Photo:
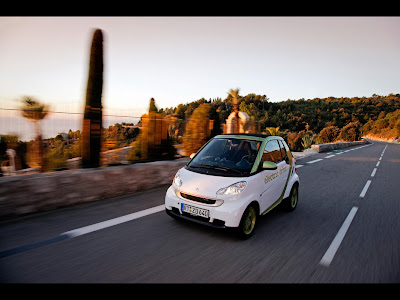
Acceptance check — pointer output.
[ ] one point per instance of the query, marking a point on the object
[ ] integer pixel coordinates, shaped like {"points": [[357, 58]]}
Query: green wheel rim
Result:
{"points": [[249, 220], [293, 200]]}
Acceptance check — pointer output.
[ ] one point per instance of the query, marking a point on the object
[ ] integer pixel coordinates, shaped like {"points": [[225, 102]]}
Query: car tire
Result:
{"points": [[290, 203], [247, 223]]}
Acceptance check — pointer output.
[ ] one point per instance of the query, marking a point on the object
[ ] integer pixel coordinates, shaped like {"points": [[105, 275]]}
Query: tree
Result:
{"points": [[153, 106], [197, 130], [92, 119], [35, 111], [397, 127], [350, 132], [295, 140], [328, 134], [180, 111]]}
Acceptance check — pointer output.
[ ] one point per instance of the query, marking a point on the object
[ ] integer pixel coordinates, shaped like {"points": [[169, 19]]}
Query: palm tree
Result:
{"points": [[235, 100], [35, 111], [273, 131]]}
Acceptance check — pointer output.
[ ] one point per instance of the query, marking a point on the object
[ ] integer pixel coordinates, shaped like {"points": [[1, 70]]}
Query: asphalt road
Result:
{"points": [[346, 229]]}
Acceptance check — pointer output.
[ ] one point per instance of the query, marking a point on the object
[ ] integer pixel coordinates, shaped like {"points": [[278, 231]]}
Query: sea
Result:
{"points": [[11, 122]]}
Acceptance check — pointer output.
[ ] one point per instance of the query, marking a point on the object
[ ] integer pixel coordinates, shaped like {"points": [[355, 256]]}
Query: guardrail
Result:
{"points": [[335, 146], [21, 195]]}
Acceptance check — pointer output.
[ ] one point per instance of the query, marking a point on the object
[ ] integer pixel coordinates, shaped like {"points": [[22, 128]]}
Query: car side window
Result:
{"points": [[272, 152]]}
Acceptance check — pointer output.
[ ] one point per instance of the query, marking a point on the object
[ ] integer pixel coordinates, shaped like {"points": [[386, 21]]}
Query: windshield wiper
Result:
{"points": [[205, 166], [208, 166]]}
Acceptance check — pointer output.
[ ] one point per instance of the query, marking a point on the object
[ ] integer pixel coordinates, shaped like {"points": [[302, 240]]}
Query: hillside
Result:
{"points": [[374, 116]]}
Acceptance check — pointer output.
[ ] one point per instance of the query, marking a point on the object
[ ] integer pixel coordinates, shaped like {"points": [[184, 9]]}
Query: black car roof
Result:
{"points": [[260, 135]]}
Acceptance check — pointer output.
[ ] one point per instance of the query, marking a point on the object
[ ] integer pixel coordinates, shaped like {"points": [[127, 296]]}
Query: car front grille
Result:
{"points": [[198, 199]]}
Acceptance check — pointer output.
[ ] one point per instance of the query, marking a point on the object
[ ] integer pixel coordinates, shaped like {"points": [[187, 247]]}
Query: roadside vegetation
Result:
{"points": [[300, 122], [313, 121]]}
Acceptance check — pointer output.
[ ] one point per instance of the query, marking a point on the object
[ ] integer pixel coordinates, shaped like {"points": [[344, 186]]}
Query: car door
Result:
{"points": [[272, 182], [285, 166]]}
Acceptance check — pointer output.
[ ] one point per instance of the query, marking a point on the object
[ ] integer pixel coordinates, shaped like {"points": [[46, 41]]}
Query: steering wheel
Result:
{"points": [[247, 158]]}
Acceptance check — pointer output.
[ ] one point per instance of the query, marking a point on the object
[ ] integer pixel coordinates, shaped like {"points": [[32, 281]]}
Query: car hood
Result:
{"points": [[203, 185]]}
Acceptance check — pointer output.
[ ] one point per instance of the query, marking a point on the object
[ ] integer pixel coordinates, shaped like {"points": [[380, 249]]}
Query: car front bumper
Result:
{"points": [[226, 215]]}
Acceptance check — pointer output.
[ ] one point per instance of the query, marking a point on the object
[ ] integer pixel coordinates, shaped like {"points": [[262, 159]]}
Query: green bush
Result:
{"points": [[328, 134], [350, 132], [294, 140]]}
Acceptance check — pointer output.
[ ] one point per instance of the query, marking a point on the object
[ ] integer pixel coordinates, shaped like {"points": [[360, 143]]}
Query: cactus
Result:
{"points": [[307, 140], [92, 119]]}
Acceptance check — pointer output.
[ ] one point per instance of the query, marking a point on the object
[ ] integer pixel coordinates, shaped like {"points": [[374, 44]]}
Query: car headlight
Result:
{"points": [[177, 180], [235, 188]]}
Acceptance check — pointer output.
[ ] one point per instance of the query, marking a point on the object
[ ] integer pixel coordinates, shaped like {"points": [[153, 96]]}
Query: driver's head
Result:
{"points": [[247, 147]]}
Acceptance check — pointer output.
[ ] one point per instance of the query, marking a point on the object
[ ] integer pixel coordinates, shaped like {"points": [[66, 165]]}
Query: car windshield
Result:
{"points": [[230, 157]]}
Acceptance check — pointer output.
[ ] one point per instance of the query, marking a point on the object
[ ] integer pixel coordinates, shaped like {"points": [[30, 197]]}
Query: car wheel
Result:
{"points": [[290, 203], [247, 223]]}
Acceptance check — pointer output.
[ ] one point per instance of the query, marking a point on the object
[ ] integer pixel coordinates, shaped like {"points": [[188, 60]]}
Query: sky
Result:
{"points": [[182, 59]]}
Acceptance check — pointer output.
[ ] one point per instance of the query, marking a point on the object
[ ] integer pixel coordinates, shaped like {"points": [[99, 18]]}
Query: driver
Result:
{"points": [[245, 152]]}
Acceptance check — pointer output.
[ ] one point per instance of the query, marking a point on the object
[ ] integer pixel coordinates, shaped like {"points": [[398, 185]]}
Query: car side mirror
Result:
{"points": [[269, 165], [192, 155]]}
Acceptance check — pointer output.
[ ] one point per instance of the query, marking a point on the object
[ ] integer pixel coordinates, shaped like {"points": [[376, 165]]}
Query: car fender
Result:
{"points": [[292, 180]]}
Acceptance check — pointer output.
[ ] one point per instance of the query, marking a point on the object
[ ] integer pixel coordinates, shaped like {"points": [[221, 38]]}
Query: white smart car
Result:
{"points": [[232, 180]]}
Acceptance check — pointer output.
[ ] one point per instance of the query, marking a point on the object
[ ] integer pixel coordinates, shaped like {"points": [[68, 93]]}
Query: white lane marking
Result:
{"points": [[329, 156], [365, 189], [377, 164], [339, 153], [299, 166], [112, 222], [314, 161], [373, 172], [380, 158], [346, 150], [330, 253]]}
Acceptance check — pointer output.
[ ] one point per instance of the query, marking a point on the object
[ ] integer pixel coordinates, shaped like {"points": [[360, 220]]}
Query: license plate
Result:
{"points": [[195, 210]]}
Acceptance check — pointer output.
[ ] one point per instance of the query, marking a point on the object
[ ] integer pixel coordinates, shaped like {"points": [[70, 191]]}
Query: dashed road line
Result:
{"points": [[115, 221], [365, 189], [314, 161], [337, 152], [84, 230], [330, 253]]}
